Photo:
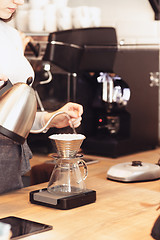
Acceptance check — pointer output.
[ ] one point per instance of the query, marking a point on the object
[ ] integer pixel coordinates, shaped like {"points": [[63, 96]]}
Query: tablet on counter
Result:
{"points": [[22, 228]]}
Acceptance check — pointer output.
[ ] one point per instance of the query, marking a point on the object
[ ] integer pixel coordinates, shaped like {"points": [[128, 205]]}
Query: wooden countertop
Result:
{"points": [[122, 211]]}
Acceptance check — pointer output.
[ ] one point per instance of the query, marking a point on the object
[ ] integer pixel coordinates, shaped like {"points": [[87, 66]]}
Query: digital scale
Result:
{"points": [[43, 197]]}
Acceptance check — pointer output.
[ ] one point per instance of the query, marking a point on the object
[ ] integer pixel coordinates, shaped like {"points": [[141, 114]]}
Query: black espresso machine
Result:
{"points": [[112, 83]]}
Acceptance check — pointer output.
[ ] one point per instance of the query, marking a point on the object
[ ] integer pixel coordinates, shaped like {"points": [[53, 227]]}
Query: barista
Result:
{"points": [[14, 158]]}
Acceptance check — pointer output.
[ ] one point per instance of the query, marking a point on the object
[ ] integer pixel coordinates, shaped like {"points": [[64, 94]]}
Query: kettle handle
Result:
{"points": [[29, 82], [4, 84]]}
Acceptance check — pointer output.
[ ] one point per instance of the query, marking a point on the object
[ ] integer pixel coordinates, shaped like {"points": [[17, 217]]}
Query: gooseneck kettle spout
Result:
{"points": [[53, 116]]}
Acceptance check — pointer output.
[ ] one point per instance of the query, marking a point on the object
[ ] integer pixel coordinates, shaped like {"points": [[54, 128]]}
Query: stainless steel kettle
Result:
{"points": [[18, 107]]}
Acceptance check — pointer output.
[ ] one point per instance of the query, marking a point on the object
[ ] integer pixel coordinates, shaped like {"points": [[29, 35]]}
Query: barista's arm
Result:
{"points": [[74, 110]]}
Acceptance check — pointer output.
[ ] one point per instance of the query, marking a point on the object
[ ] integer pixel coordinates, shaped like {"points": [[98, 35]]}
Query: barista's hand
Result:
{"points": [[75, 112], [3, 79]]}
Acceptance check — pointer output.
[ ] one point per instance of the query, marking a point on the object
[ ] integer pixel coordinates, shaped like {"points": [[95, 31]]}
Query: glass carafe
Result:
{"points": [[67, 177]]}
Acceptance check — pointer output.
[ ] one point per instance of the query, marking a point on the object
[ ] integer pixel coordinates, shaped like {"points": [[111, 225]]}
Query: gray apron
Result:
{"points": [[14, 162]]}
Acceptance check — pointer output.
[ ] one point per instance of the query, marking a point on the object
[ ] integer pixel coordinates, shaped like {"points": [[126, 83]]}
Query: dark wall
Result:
{"points": [[134, 66]]}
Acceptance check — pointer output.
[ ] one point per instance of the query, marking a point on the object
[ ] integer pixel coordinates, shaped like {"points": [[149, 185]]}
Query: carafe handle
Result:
{"points": [[84, 167]]}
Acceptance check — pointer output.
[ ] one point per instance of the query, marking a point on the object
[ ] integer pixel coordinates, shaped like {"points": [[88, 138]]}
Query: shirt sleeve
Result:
{"points": [[39, 121]]}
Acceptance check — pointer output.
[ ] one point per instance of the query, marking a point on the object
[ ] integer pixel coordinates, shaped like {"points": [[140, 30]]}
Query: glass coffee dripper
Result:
{"points": [[67, 178]]}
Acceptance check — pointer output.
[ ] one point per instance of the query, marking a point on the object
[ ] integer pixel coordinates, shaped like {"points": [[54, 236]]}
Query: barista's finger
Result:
{"points": [[75, 109], [3, 78], [76, 122]]}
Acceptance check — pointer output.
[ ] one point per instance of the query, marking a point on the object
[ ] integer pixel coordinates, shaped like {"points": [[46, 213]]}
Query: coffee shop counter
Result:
{"points": [[123, 211]]}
